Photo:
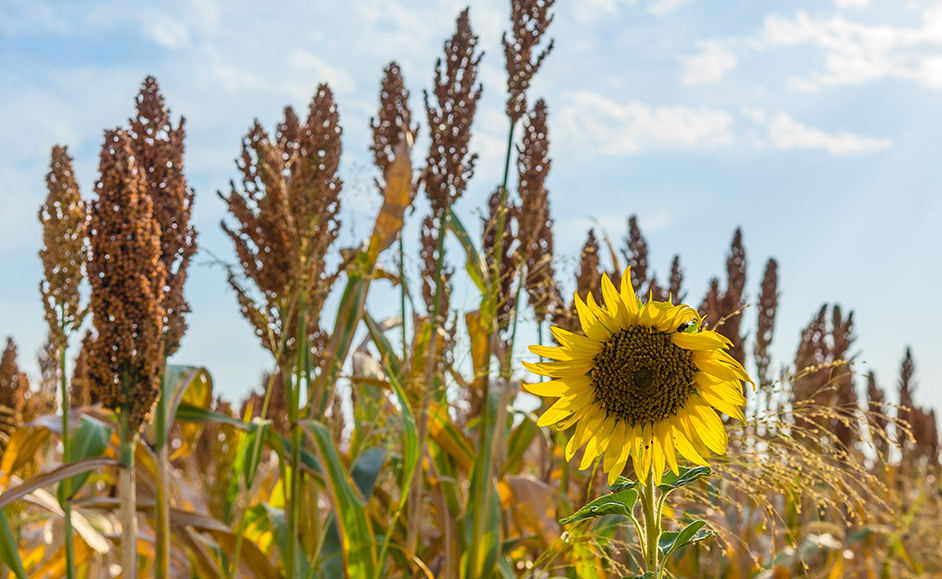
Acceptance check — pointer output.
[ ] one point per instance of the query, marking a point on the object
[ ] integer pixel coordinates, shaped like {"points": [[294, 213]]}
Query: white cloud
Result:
{"points": [[851, 3], [786, 133], [712, 63], [665, 7], [615, 128], [855, 53], [340, 80], [164, 30], [852, 52]]}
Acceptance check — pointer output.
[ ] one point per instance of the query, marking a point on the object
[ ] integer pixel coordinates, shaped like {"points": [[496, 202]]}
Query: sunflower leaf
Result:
{"points": [[618, 503], [622, 484], [670, 541], [671, 482]]}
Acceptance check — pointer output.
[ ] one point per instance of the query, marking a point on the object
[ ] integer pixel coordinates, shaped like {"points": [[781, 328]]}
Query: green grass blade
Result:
{"points": [[474, 264], [482, 519], [9, 551], [89, 439], [356, 533]]}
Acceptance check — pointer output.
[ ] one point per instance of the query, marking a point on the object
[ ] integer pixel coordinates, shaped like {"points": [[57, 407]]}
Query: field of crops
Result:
{"points": [[409, 446]]}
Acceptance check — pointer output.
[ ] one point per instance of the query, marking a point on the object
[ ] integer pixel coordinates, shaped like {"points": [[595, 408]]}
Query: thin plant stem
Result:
{"points": [[162, 532], [402, 293], [294, 503], [128, 494], [66, 458]]}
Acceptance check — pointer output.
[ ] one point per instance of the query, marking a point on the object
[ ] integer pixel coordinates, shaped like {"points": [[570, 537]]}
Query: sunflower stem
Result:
{"points": [[652, 524]]}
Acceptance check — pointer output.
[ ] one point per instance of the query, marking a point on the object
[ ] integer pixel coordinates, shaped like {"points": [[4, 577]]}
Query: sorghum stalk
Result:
{"points": [[128, 494], [294, 410], [66, 458]]}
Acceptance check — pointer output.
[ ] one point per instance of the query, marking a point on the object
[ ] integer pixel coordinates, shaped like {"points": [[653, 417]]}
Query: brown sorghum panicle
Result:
{"points": [[80, 391], [127, 279], [906, 386], [504, 266], [534, 222], [286, 212], [65, 250], [876, 403], [719, 305], [429, 254], [676, 282], [394, 117], [635, 253], [588, 279], [768, 304], [530, 19], [449, 165], [13, 387], [158, 150], [845, 395]]}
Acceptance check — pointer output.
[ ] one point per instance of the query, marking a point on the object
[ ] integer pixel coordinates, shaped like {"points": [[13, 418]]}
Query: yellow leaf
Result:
{"points": [[23, 445], [396, 198]]}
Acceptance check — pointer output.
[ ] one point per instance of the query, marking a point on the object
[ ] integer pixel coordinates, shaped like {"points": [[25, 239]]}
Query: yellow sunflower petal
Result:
{"points": [[561, 369], [559, 387], [730, 388], [590, 323], [576, 416], [707, 425], [578, 438], [682, 443], [700, 341], [614, 303], [646, 452], [615, 445], [628, 296], [624, 452], [552, 352], [721, 404], [658, 454], [667, 444], [598, 442], [603, 315], [684, 420], [553, 415], [576, 342]]}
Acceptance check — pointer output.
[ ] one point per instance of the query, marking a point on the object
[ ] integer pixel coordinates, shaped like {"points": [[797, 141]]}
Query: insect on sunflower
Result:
{"points": [[644, 381]]}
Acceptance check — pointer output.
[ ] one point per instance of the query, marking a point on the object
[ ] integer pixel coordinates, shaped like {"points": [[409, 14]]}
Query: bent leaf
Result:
{"points": [[620, 503], [670, 541], [52, 477], [22, 447], [89, 439], [671, 482]]}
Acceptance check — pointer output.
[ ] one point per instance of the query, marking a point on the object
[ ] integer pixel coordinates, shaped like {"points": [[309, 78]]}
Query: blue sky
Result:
{"points": [[813, 125]]}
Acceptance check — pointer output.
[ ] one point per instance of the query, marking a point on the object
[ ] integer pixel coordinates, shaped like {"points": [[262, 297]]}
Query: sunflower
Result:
{"points": [[644, 381]]}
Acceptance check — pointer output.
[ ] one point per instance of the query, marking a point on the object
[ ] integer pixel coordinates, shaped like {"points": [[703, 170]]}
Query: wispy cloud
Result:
{"points": [[714, 60], [852, 52], [626, 128], [785, 133]]}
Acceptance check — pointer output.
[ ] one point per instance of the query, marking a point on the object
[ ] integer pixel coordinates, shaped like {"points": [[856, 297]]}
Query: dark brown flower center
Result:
{"points": [[641, 376]]}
